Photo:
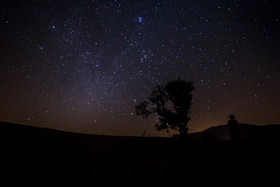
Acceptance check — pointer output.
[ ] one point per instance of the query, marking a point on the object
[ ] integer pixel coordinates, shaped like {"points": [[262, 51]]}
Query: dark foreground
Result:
{"points": [[42, 157]]}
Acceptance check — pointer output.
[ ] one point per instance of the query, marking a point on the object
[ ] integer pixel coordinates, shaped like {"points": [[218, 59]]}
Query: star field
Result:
{"points": [[83, 65]]}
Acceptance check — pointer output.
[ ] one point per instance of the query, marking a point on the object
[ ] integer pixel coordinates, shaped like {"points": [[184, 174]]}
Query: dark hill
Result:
{"points": [[247, 133], [45, 157]]}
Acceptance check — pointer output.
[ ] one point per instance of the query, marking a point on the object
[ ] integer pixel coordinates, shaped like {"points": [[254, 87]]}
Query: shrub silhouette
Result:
{"points": [[171, 104]]}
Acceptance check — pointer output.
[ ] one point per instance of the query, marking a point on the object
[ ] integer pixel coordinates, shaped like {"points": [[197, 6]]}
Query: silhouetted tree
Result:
{"points": [[171, 104]]}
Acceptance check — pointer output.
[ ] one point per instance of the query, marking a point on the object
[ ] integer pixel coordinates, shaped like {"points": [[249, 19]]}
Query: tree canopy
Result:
{"points": [[171, 105]]}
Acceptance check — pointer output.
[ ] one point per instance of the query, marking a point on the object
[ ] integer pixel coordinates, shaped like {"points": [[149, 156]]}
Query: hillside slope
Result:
{"points": [[246, 131], [36, 156]]}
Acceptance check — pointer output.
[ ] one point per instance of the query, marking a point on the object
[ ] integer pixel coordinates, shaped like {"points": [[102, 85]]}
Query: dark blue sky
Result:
{"points": [[83, 65]]}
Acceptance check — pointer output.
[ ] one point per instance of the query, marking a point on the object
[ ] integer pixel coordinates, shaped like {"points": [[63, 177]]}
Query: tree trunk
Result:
{"points": [[183, 131]]}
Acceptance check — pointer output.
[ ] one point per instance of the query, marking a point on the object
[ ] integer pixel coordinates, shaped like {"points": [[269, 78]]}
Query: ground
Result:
{"points": [[43, 157]]}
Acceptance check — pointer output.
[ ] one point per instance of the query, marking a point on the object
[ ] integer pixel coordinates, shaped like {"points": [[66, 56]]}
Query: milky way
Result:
{"points": [[83, 65]]}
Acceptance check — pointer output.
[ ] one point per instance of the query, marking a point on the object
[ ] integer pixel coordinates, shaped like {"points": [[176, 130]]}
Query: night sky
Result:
{"points": [[82, 66]]}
